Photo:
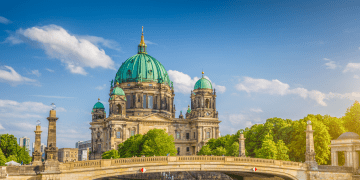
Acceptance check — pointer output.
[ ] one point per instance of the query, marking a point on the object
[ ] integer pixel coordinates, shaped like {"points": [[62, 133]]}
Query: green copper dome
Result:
{"points": [[203, 83], [98, 105], [142, 68], [118, 91]]}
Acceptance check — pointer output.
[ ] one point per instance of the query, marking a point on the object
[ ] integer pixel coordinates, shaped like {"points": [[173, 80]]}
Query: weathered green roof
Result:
{"points": [[98, 105], [142, 68], [118, 91], [203, 83]]}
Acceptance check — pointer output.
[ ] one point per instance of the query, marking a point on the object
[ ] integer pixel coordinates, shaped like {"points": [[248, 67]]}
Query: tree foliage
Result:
{"points": [[351, 119], [219, 151], [205, 150], [114, 154], [155, 142], [226, 145], [23, 155], [2, 159], [268, 149], [282, 151], [8, 145]]}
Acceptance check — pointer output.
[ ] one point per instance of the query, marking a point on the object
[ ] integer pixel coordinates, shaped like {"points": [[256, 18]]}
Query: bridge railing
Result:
{"points": [[139, 160], [165, 159]]}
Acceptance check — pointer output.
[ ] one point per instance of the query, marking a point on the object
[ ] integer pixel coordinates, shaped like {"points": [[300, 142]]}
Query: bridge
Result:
{"points": [[97, 169]]}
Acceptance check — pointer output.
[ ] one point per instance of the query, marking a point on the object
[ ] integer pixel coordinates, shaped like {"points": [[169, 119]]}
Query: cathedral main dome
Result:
{"points": [[142, 68]]}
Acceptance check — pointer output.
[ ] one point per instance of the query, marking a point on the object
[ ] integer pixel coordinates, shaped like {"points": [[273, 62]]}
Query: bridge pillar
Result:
{"points": [[242, 145], [36, 155], [310, 150], [51, 164]]}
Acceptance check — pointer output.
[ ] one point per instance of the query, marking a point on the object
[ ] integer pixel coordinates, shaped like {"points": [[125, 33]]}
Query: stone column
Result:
{"points": [[36, 155], [355, 159], [217, 133], [203, 133], [124, 132], [51, 164], [242, 146], [334, 158], [213, 132], [199, 134], [310, 150]]}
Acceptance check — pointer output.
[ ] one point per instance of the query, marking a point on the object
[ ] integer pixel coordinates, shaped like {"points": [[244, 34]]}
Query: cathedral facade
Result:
{"points": [[141, 98]]}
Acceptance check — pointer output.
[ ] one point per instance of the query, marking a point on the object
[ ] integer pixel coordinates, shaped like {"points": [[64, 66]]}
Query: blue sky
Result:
{"points": [[266, 59]]}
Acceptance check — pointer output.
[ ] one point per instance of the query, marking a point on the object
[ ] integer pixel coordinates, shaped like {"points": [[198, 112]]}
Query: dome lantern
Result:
{"points": [[142, 46]]}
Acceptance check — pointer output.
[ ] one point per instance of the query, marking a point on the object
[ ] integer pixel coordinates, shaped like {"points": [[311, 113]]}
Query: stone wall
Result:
{"points": [[319, 175]]}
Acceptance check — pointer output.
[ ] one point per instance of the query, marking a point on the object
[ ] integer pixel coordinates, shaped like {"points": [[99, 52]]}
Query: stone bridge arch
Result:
{"points": [[95, 169]]}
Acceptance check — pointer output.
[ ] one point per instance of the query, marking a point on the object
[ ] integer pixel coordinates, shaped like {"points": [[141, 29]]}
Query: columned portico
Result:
{"points": [[349, 143]]}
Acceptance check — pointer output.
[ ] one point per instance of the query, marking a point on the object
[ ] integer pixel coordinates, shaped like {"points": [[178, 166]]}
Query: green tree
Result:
{"points": [[268, 149], [159, 143], [11, 158], [23, 155], [205, 150], [8, 145], [114, 154], [352, 118], [131, 147], [2, 159], [282, 151], [155, 142], [254, 138], [233, 150], [219, 151]]}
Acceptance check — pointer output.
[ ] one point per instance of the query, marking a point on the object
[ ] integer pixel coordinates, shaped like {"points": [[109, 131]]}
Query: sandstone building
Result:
{"points": [[68, 155], [141, 98]]}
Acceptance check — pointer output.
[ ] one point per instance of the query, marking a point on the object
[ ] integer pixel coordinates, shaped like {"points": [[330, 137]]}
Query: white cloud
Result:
{"points": [[13, 39], [50, 70], [1, 127], [3, 20], [73, 51], [13, 77], [7, 106], [111, 44], [101, 87], [183, 83], [275, 87], [57, 97], [352, 67], [149, 42], [262, 85], [356, 77], [257, 110], [36, 73], [330, 64]]}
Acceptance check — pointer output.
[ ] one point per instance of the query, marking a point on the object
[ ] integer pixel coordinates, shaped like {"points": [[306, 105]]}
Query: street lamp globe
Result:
{"points": [[53, 107]]}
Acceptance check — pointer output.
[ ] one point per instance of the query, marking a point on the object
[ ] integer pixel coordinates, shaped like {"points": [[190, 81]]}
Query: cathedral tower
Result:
{"points": [[98, 111], [203, 100], [117, 102]]}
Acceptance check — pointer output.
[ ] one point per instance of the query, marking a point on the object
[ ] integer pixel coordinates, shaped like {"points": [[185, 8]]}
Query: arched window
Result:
{"points": [[118, 134], [178, 151], [207, 103], [119, 108], [207, 135]]}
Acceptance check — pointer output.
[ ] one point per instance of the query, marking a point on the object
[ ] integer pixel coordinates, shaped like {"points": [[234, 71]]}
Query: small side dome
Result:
{"points": [[348, 135], [203, 83], [98, 105], [118, 91]]}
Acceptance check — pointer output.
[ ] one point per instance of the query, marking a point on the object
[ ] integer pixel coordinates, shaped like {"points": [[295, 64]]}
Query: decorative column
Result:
{"points": [[124, 132], [334, 158], [310, 150], [51, 164], [36, 155], [242, 145]]}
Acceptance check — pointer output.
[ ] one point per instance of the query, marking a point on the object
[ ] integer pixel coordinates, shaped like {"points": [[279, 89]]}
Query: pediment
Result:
{"points": [[155, 117]]}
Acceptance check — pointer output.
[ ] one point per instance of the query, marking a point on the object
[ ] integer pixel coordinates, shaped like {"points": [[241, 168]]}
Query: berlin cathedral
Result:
{"points": [[141, 98]]}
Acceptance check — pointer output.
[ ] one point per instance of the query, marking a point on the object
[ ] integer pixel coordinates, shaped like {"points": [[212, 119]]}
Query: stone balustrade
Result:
{"points": [[166, 159]]}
